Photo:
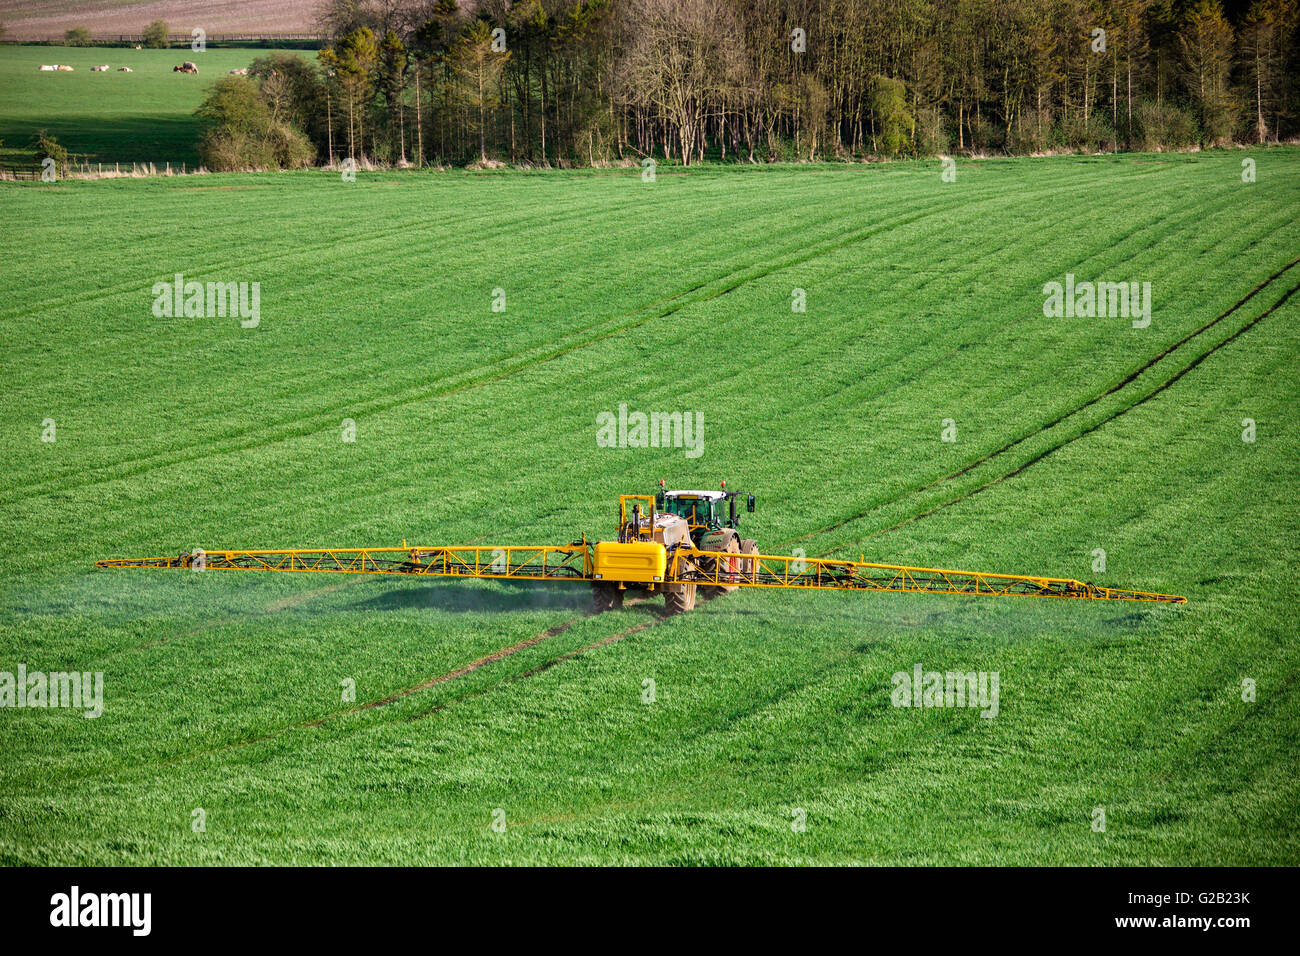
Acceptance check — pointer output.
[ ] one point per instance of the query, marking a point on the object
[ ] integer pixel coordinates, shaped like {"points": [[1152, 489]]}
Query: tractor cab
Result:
{"points": [[701, 509], [704, 511]]}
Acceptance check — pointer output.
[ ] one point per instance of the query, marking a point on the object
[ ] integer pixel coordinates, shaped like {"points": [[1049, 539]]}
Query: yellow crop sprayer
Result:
{"points": [[678, 543]]}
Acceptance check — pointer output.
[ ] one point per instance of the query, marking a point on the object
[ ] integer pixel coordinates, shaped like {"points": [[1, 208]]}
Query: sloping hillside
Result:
{"points": [[327, 718], [27, 19]]}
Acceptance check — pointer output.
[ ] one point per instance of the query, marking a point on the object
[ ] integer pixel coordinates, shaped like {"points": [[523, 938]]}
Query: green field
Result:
{"points": [[924, 303], [145, 116]]}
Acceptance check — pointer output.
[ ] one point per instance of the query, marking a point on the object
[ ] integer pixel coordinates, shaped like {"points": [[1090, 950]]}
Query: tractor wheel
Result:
{"points": [[748, 565], [679, 597], [728, 565], [605, 597]]}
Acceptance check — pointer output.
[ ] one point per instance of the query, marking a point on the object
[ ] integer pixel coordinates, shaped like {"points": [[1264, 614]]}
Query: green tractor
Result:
{"points": [[678, 523], [713, 525], [710, 515]]}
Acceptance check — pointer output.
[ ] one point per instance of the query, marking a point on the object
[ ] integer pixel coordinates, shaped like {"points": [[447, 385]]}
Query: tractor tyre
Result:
{"points": [[605, 597], [679, 598], [748, 566], [728, 565]]}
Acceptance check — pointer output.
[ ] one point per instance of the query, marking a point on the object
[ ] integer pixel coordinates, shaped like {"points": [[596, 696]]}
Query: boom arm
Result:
{"points": [[686, 565], [782, 571], [571, 562]]}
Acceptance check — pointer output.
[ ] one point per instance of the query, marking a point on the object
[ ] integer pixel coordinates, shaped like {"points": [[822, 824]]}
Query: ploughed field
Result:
{"points": [[770, 732]]}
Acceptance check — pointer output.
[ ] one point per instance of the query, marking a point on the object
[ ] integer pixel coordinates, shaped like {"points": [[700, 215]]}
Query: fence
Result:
{"points": [[77, 169], [20, 171]]}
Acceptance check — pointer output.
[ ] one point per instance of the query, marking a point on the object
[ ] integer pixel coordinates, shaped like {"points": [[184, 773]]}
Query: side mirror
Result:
{"points": [[749, 504], [659, 501]]}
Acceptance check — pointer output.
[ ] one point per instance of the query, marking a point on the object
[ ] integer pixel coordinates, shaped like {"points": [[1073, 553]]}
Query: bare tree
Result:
{"points": [[678, 61]]}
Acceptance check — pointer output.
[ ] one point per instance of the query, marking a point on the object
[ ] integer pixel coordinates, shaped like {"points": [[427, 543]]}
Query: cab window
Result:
{"points": [[696, 511]]}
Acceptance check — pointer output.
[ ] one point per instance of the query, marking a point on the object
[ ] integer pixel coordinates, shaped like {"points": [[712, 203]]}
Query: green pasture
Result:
{"points": [[145, 116], [224, 691]]}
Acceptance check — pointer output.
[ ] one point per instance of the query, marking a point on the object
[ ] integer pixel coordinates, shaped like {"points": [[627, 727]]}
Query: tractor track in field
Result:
{"points": [[540, 668], [394, 697], [451, 675], [503, 367], [953, 351], [348, 238], [281, 604], [734, 278], [1132, 375], [574, 212], [1159, 389], [317, 722], [494, 371], [1064, 416], [911, 374], [502, 653]]}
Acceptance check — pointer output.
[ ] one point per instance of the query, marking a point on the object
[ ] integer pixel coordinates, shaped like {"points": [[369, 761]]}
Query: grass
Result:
{"points": [[924, 304], [145, 116]]}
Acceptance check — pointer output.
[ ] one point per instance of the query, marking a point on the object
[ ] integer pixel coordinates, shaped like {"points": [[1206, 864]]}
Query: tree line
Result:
{"points": [[581, 82]]}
